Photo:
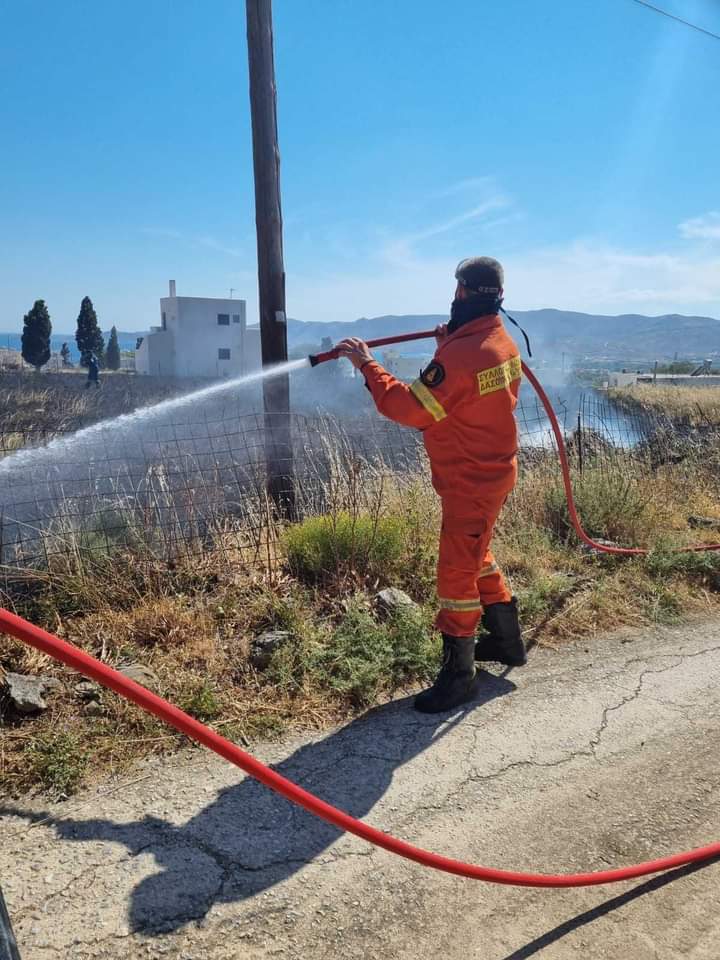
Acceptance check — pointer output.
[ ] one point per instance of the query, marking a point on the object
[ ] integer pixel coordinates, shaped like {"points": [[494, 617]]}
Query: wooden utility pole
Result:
{"points": [[271, 270]]}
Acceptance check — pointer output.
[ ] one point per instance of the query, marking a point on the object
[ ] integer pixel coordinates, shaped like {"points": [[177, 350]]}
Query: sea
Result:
{"points": [[13, 341]]}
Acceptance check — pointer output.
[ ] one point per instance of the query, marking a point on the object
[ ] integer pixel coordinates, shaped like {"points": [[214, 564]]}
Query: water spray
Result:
{"points": [[28, 457]]}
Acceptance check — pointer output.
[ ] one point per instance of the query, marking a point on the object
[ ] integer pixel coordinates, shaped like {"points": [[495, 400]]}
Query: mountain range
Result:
{"points": [[551, 333]]}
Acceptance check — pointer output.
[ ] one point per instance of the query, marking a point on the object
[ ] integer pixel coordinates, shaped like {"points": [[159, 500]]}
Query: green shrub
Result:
{"points": [[358, 656], [58, 762], [662, 605], [703, 568], [610, 506], [202, 703], [325, 549], [542, 595], [363, 656]]}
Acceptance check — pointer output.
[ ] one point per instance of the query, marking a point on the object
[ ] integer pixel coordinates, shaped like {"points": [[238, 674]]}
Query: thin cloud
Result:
{"points": [[398, 251], [213, 244], [209, 242], [598, 279], [706, 227], [584, 276], [503, 221], [463, 186], [475, 213]]}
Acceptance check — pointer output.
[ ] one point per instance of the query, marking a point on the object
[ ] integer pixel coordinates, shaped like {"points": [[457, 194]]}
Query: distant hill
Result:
{"points": [[552, 332]]}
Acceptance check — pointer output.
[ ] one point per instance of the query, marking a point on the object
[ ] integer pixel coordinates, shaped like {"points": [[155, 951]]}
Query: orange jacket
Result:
{"points": [[463, 402]]}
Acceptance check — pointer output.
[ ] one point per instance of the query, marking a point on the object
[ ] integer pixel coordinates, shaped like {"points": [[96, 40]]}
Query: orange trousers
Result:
{"points": [[468, 578]]}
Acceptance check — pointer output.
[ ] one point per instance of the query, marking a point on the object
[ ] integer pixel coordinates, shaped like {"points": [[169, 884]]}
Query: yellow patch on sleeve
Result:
{"points": [[498, 378]]}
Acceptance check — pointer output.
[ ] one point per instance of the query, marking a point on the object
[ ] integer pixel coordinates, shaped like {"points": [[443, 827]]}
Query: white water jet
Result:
{"points": [[26, 457]]}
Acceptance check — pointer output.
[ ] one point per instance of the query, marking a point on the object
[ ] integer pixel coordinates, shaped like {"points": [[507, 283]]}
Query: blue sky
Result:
{"points": [[577, 141]]}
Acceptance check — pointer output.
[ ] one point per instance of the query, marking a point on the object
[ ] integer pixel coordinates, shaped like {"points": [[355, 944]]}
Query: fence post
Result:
{"points": [[580, 443]]}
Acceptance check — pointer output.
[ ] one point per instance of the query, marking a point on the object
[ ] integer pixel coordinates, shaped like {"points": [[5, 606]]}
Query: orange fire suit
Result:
{"points": [[463, 403]]}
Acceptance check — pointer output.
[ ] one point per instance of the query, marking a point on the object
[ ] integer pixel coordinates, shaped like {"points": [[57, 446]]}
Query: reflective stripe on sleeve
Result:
{"points": [[488, 570], [461, 605], [421, 393]]}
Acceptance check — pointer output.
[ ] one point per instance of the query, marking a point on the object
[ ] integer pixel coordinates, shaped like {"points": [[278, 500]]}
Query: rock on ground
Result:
{"points": [[391, 600], [27, 694], [264, 646]]}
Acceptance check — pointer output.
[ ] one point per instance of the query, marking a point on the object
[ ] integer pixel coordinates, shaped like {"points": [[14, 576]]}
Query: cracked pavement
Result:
{"points": [[589, 757]]}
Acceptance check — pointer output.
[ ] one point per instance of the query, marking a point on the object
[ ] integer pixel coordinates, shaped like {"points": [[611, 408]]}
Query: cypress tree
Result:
{"points": [[89, 337], [112, 357], [36, 335]]}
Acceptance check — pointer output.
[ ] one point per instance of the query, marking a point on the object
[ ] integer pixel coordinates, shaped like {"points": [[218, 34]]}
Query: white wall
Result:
{"points": [[189, 341], [199, 337], [156, 354], [622, 379]]}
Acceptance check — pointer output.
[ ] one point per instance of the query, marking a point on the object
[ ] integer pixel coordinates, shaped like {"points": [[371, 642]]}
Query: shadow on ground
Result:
{"points": [[249, 838], [537, 946]]}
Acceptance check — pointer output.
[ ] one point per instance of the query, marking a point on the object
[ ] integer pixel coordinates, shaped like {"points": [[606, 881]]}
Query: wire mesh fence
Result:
{"points": [[196, 479]]}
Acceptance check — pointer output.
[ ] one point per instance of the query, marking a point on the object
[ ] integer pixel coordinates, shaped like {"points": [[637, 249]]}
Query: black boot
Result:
{"points": [[503, 644], [457, 681]]}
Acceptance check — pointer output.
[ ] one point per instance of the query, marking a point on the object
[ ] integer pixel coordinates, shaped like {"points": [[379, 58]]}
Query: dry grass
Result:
{"points": [[192, 617], [34, 406], [694, 406]]}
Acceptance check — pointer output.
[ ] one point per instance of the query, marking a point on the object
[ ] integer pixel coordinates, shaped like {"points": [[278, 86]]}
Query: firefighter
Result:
{"points": [[463, 403], [93, 372]]}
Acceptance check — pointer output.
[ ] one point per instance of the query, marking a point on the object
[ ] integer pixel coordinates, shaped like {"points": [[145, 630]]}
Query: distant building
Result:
{"points": [[623, 379], [664, 379], [199, 337], [402, 366], [10, 359]]}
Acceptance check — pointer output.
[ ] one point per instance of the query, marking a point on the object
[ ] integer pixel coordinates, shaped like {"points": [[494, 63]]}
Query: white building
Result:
{"points": [[664, 379], [199, 337], [403, 366]]}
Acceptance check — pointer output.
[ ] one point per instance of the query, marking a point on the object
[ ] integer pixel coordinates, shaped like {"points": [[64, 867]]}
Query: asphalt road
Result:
{"points": [[587, 758]]}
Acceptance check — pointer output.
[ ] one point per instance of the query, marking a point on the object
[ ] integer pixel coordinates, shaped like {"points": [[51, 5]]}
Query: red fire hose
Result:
{"points": [[334, 354], [76, 659], [567, 482], [95, 670]]}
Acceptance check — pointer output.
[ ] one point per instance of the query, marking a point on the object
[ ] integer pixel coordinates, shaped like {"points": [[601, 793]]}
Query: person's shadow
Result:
{"points": [[250, 838]]}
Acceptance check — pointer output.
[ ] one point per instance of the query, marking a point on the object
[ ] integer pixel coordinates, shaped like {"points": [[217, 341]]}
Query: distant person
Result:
{"points": [[93, 372], [463, 403]]}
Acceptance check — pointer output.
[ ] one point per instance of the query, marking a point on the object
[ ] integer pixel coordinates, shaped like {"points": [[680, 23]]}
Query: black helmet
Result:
{"points": [[482, 275]]}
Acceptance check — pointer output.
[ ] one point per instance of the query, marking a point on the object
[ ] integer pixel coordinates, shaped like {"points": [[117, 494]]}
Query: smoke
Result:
{"points": [[186, 461], [332, 389]]}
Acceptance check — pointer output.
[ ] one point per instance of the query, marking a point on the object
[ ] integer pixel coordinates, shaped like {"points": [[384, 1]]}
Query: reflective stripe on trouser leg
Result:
{"points": [[460, 561], [491, 583]]}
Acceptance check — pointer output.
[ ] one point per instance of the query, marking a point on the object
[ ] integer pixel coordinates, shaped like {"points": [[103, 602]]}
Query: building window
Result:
{"points": [[223, 353], [223, 319], [164, 321], [236, 318]]}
